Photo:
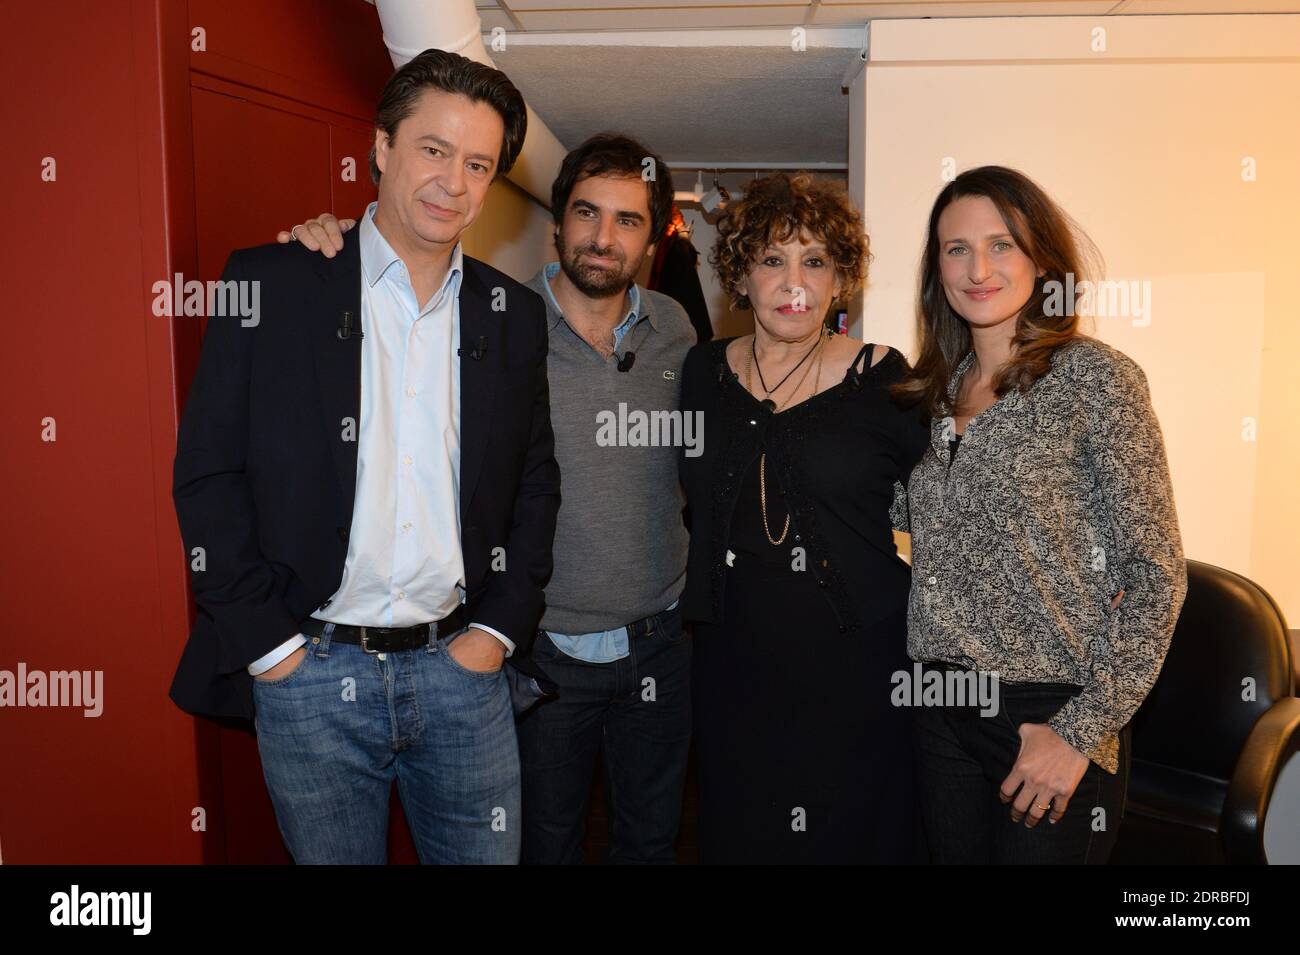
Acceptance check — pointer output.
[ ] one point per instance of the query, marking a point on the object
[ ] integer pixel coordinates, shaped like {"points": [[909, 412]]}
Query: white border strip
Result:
{"points": [[1199, 38], [833, 37]]}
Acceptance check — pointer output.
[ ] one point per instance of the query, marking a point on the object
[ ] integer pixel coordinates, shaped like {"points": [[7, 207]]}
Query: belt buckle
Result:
{"points": [[365, 648], [649, 624]]}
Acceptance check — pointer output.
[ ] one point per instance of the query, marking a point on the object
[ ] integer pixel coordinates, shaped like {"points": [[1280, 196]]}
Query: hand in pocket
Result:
{"points": [[284, 667], [478, 650]]}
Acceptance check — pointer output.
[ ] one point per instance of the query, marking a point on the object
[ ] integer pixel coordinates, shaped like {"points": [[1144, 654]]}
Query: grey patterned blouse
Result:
{"points": [[1058, 498]]}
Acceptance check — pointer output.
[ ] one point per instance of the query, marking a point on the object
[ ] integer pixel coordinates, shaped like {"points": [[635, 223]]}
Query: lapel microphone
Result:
{"points": [[345, 330], [478, 352], [628, 358]]}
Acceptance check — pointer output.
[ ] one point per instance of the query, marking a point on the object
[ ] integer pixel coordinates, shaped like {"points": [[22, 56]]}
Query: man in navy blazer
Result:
{"points": [[367, 492]]}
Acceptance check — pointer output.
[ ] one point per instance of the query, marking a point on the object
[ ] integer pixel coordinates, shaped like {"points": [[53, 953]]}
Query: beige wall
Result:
{"points": [[1143, 143], [512, 233]]}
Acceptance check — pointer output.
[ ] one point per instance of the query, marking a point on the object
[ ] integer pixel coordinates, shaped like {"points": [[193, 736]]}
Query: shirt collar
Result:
{"points": [[1012, 399], [377, 256], [939, 427], [552, 269], [957, 372]]}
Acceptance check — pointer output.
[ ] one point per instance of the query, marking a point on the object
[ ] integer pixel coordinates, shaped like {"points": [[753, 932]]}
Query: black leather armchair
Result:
{"points": [[1205, 760]]}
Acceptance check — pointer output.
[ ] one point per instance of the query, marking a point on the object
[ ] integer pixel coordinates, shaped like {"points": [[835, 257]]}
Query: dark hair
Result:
{"points": [[780, 206], [613, 154], [1051, 240], [453, 73]]}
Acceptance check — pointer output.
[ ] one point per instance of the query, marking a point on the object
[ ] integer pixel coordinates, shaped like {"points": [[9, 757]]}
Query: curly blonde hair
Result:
{"points": [[774, 209]]}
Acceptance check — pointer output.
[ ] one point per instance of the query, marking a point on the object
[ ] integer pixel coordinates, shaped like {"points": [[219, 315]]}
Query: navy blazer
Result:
{"points": [[264, 479]]}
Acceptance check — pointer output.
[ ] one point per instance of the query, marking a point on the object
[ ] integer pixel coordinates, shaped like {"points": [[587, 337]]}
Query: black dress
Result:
{"points": [[801, 756]]}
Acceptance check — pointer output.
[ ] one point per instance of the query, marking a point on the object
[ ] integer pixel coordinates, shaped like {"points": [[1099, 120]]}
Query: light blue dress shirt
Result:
{"points": [[404, 564], [604, 646]]}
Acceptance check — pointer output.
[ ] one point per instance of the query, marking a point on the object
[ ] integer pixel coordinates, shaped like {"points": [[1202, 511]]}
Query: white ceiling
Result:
{"points": [[569, 15], [715, 81]]}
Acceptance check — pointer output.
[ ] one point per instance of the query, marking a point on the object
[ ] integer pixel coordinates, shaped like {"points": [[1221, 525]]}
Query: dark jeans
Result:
{"points": [[962, 759], [636, 712]]}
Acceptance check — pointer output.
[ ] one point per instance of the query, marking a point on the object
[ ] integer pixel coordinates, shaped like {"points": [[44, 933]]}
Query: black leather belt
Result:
{"points": [[388, 639], [639, 628]]}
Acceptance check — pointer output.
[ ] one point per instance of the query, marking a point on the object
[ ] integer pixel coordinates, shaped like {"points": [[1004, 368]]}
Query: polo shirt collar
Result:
{"points": [[634, 313]]}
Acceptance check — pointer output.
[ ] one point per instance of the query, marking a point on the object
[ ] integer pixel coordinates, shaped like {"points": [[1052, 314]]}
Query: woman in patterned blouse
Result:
{"points": [[1046, 556]]}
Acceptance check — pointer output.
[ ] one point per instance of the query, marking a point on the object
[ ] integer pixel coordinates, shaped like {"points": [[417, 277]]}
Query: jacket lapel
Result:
{"points": [[478, 379], [338, 363]]}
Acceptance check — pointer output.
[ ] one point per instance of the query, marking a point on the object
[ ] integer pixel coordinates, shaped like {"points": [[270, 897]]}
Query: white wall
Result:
{"points": [[1143, 142]]}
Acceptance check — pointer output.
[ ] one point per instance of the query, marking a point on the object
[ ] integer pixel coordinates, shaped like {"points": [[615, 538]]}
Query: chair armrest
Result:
{"points": [[1273, 740]]}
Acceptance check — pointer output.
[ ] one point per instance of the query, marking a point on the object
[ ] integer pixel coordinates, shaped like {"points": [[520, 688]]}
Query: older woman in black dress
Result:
{"points": [[798, 595]]}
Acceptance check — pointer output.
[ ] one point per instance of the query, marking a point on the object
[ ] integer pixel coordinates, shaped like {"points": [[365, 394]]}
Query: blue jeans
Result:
{"points": [[643, 738], [337, 730], [962, 758]]}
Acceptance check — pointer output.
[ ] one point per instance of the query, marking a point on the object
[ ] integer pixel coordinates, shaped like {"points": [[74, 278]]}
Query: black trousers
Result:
{"points": [[962, 758], [635, 712]]}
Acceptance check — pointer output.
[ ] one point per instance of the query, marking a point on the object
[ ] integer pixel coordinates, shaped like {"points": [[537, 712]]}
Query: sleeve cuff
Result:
{"points": [[510, 647], [264, 663], [1080, 727]]}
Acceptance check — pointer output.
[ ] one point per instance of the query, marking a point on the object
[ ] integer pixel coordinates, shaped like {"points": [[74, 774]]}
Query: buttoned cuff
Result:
{"points": [[264, 663], [510, 647]]}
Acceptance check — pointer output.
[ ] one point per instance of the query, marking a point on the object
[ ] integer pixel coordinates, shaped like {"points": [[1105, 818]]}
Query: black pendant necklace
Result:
{"points": [[768, 403]]}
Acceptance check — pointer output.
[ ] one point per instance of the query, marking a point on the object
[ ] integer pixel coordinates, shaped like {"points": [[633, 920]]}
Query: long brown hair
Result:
{"points": [[1051, 240]]}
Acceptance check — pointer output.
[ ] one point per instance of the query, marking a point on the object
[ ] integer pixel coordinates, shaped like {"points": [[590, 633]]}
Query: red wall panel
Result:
{"points": [[256, 170], [84, 581], [327, 54], [167, 159]]}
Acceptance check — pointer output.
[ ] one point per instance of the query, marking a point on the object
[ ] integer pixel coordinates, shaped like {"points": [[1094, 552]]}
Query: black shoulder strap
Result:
{"points": [[853, 365], [852, 375]]}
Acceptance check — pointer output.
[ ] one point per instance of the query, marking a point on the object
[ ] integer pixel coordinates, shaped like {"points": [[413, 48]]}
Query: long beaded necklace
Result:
{"points": [[772, 406]]}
